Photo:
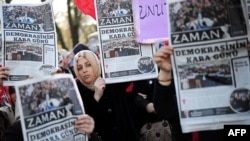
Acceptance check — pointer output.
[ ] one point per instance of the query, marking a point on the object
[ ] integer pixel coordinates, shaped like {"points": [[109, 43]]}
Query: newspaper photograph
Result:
{"points": [[122, 58], [49, 108], [210, 62], [29, 40]]}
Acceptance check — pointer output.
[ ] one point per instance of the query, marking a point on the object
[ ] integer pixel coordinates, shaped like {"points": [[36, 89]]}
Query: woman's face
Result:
{"points": [[86, 71]]}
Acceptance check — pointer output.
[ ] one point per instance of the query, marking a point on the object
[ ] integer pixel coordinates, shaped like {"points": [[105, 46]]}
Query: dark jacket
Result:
{"points": [[113, 114], [165, 103], [142, 117]]}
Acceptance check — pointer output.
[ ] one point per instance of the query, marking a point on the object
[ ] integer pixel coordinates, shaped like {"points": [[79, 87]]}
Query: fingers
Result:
{"points": [[85, 124], [163, 58], [84, 119], [143, 95], [58, 70], [4, 72], [4, 69], [100, 83], [164, 52], [150, 107]]}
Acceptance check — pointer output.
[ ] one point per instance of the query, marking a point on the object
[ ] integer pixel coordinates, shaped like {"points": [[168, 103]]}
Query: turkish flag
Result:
{"points": [[87, 7]]}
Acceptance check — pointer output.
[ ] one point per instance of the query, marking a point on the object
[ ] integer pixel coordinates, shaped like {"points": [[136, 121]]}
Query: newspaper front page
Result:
{"points": [[49, 108], [29, 40], [122, 58], [148, 13], [210, 62], [1, 57]]}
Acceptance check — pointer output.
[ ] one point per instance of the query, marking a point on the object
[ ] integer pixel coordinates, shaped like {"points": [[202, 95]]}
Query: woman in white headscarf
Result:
{"points": [[88, 70], [107, 104]]}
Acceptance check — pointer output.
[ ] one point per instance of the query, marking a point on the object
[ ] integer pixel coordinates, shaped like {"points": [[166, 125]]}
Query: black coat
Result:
{"points": [[113, 114], [145, 87]]}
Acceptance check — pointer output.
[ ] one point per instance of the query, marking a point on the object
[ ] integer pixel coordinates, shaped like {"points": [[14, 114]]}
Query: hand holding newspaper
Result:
{"points": [[210, 62], [49, 108]]}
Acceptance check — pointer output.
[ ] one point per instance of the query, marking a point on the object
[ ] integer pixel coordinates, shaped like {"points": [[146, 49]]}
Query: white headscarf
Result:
{"points": [[95, 63]]}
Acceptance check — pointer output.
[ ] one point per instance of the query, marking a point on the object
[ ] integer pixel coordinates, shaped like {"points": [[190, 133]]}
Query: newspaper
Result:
{"points": [[247, 3], [28, 39], [49, 108], [1, 57], [122, 58], [210, 62]]}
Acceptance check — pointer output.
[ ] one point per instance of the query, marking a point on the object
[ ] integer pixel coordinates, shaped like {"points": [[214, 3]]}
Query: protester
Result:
{"points": [[165, 101], [4, 95], [143, 91], [78, 47], [12, 131], [63, 58], [9, 110], [108, 104], [84, 123], [6, 103]]}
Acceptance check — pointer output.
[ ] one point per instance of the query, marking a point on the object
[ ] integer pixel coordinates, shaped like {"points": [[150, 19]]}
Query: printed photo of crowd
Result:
{"points": [[201, 75], [113, 8], [30, 15], [240, 100], [193, 15], [120, 48], [23, 51], [49, 95], [146, 64]]}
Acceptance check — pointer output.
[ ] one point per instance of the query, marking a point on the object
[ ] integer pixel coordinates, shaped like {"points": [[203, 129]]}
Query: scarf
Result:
{"points": [[95, 63]]}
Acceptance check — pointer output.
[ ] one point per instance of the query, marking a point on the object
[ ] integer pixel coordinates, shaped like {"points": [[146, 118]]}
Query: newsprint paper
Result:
{"points": [[210, 62], [248, 10], [49, 108], [123, 59], [29, 40]]}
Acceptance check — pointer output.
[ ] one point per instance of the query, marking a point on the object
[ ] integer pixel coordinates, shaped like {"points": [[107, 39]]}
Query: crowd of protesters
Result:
{"points": [[116, 112]]}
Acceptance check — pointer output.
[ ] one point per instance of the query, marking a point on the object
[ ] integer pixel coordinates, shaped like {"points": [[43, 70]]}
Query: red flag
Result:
{"points": [[87, 7]]}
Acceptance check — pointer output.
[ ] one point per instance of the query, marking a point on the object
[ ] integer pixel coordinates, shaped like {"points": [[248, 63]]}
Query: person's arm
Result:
{"points": [[164, 100], [14, 132], [142, 91], [164, 97], [85, 124], [99, 86], [4, 72], [163, 59]]}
